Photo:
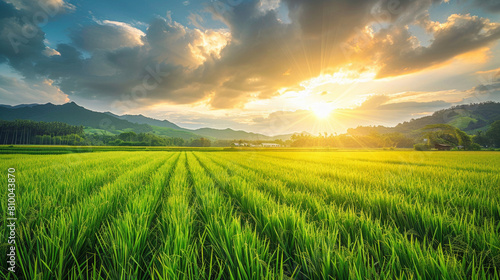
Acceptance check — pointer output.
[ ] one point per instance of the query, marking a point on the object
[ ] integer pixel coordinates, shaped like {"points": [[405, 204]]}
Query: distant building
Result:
{"points": [[270, 145], [241, 144], [442, 147]]}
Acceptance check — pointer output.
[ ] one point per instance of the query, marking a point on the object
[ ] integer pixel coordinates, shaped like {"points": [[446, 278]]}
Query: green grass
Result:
{"points": [[173, 213]]}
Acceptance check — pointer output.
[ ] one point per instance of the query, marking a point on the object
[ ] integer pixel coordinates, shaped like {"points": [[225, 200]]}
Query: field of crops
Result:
{"points": [[254, 215]]}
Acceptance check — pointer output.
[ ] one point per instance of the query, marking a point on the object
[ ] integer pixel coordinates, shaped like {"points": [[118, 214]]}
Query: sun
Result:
{"points": [[322, 110]]}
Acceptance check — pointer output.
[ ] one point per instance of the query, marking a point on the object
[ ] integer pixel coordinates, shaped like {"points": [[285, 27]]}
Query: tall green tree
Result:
{"points": [[494, 133]]}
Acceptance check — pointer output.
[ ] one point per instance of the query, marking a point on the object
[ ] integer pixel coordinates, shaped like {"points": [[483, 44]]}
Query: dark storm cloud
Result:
{"points": [[260, 54]]}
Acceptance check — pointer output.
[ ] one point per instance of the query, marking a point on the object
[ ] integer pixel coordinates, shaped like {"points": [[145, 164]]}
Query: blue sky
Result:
{"points": [[267, 66]]}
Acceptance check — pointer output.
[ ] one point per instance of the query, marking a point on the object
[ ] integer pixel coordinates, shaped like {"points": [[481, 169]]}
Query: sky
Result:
{"points": [[268, 66]]}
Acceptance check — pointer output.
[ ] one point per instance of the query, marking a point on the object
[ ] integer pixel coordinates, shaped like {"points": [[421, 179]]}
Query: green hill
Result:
{"points": [[469, 118], [72, 114]]}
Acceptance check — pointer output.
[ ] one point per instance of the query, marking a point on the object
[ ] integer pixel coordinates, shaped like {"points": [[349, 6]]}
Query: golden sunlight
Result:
{"points": [[322, 110]]}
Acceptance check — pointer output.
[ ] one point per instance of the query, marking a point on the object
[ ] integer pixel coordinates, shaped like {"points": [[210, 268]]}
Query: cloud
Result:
{"points": [[49, 7], [488, 87], [50, 52], [21, 43], [107, 35], [415, 107], [173, 43], [15, 91], [489, 5], [21, 37], [266, 5], [490, 82], [397, 52], [374, 102]]}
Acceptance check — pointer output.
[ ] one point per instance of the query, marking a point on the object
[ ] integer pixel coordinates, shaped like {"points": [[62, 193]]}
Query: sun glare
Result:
{"points": [[322, 110]]}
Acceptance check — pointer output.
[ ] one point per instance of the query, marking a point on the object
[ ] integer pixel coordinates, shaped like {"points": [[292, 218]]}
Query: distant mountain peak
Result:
{"points": [[72, 104]]}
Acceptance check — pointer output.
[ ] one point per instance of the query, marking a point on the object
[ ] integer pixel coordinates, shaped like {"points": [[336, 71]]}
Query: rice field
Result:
{"points": [[254, 215]]}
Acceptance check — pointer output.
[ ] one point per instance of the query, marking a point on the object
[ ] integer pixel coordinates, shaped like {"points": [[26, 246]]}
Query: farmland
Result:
{"points": [[255, 215]]}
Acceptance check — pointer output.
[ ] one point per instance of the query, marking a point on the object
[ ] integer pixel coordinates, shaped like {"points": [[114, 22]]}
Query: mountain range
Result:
{"points": [[109, 123], [470, 118]]}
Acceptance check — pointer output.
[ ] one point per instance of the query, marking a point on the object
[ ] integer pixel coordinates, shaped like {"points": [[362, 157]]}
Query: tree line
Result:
{"points": [[31, 132], [27, 132]]}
